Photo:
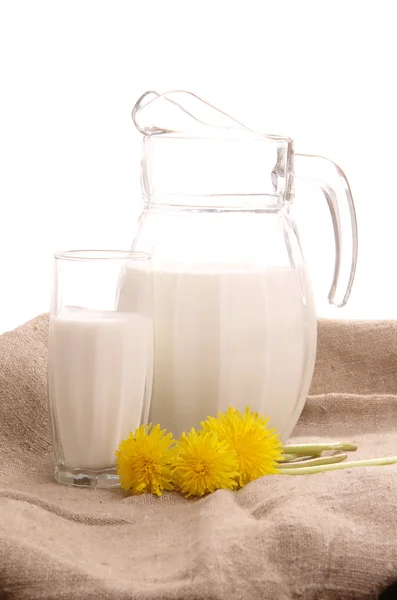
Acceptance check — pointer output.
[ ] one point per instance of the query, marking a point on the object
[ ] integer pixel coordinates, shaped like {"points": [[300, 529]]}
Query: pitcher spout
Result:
{"points": [[185, 114]]}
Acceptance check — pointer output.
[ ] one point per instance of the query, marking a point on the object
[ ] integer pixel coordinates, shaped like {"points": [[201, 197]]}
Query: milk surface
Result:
{"points": [[229, 335], [97, 374]]}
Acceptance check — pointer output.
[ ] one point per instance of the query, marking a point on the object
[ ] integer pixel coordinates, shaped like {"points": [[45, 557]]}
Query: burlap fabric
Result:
{"points": [[326, 536]]}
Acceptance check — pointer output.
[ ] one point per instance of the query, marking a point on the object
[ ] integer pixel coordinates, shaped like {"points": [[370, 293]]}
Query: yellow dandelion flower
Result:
{"points": [[204, 464], [144, 461], [258, 448]]}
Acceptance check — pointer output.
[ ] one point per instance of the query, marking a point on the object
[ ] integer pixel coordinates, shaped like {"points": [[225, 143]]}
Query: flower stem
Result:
{"points": [[304, 449], [287, 457], [313, 462], [387, 460]]}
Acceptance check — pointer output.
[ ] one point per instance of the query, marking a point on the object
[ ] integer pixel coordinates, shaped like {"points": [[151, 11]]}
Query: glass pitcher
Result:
{"points": [[235, 321]]}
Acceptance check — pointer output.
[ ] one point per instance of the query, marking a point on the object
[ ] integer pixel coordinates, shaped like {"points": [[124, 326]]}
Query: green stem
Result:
{"points": [[303, 449], [287, 457], [387, 460], [313, 462], [292, 457]]}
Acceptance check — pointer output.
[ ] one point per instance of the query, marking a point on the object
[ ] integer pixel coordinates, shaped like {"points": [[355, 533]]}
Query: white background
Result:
{"points": [[322, 72]]}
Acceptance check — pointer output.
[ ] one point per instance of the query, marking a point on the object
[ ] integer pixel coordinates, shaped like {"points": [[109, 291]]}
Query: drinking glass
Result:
{"points": [[100, 361]]}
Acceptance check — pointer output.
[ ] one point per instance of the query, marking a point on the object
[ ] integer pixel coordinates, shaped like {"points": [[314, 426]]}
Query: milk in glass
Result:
{"points": [[97, 373]]}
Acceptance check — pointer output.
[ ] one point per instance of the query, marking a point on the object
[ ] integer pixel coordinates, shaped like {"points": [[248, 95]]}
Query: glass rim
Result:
{"points": [[253, 138], [102, 255]]}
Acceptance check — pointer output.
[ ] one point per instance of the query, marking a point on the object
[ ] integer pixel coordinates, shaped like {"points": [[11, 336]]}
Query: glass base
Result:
{"points": [[105, 478]]}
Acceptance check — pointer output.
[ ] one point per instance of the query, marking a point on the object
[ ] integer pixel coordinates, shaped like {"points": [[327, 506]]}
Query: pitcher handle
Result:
{"points": [[336, 189]]}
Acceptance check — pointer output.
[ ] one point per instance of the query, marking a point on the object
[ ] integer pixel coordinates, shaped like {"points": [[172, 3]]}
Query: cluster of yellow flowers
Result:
{"points": [[226, 453]]}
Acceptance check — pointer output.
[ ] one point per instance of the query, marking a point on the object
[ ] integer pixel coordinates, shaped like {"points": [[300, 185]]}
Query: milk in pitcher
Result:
{"points": [[228, 335]]}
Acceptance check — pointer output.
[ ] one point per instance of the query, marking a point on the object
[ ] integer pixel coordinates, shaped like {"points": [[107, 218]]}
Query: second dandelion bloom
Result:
{"points": [[204, 464]]}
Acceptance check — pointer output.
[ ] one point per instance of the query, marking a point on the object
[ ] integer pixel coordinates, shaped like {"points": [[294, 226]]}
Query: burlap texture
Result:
{"points": [[325, 536]]}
